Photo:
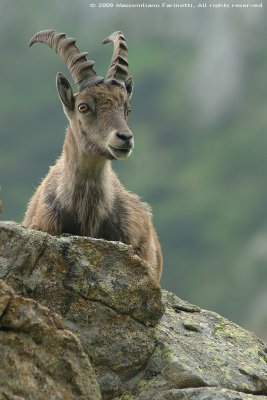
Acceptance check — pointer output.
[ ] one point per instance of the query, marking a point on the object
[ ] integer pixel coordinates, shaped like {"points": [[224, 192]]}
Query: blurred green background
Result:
{"points": [[199, 119]]}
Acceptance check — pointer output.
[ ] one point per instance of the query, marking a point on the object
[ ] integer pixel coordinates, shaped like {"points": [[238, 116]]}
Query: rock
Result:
{"points": [[103, 290], [93, 269], [39, 359], [107, 296], [199, 348]]}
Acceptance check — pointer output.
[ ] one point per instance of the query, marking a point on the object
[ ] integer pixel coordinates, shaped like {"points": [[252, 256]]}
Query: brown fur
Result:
{"points": [[81, 194]]}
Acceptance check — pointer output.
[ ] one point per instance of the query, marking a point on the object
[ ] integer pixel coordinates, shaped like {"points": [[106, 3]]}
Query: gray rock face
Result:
{"points": [[141, 344], [39, 359]]}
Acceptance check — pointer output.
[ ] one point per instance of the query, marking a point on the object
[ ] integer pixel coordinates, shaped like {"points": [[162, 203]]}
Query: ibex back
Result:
{"points": [[81, 194]]}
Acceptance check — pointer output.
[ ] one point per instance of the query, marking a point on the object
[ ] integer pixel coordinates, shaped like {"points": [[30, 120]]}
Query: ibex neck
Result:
{"points": [[85, 189], [84, 176], [79, 165]]}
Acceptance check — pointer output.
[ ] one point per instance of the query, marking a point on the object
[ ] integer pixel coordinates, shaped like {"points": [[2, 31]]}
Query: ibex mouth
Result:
{"points": [[120, 152]]}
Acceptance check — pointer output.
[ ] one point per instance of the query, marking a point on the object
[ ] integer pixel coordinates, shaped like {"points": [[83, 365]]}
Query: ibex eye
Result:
{"points": [[83, 108]]}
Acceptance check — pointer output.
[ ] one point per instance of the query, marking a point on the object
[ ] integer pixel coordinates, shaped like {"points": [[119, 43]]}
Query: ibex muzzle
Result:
{"points": [[121, 141]]}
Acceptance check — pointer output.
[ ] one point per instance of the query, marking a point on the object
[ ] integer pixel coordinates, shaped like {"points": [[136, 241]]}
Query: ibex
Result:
{"points": [[81, 195]]}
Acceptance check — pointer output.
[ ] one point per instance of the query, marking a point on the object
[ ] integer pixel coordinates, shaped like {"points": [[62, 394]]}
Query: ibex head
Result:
{"points": [[99, 110]]}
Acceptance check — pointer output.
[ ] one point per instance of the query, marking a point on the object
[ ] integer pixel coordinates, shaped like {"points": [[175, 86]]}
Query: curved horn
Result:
{"points": [[81, 69], [118, 69]]}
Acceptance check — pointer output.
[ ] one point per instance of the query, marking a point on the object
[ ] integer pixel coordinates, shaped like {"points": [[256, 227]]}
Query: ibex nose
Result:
{"points": [[125, 136]]}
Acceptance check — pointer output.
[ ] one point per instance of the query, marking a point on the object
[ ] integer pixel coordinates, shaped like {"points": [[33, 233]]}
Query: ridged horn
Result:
{"points": [[118, 69], [81, 69]]}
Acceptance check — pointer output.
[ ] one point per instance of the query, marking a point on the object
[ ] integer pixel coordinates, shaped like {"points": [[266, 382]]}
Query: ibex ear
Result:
{"points": [[65, 92], [129, 84]]}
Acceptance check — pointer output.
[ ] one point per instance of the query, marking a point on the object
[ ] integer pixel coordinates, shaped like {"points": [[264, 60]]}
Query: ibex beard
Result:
{"points": [[81, 195]]}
